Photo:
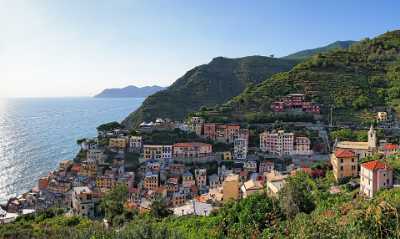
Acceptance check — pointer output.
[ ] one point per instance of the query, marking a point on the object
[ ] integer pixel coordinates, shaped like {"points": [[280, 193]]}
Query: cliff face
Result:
{"points": [[207, 85]]}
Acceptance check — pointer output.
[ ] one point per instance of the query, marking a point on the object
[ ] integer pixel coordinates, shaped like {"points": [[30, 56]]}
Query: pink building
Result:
{"points": [[191, 150], [277, 143], [302, 145], [390, 149], [375, 175]]}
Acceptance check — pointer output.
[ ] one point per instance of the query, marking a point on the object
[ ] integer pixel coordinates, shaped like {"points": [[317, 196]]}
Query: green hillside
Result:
{"points": [[305, 54], [353, 81], [207, 85]]}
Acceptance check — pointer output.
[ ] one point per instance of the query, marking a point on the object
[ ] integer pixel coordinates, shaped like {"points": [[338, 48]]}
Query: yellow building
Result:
{"points": [[231, 188], [88, 169], [344, 163], [119, 143], [105, 182], [157, 152], [65, 165], [227, 155]]}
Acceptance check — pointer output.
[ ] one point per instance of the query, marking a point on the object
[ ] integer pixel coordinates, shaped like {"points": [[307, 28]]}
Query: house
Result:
{"points": [[134, 195], [274, 182], [250, 166], [227, 155], [209, 131], [65, 165], [196, 125], [374, 176], [178, 199], [230, 188], [96, 155], [59, 186], [302, 145], [151, 181], [187, 179], [361, 149], [83, 202], [43, 183], [157, 152], [118, 143], [88, 169], [251, 187], [390, 149], [106, 182], [193, 207], [240, 148], [382, 116], [213, 181], [266, 166], [192, 150], [277, 143], [344, 163], [201, 177], [135, 143], [295, 102], [176, 169]]}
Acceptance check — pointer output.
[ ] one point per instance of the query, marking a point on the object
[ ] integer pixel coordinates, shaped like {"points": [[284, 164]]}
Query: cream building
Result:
{"points": [[230, 188]]}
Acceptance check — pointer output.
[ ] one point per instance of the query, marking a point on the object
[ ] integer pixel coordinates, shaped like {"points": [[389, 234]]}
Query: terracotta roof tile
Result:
{"points": [[374, 165], [343, 153]]}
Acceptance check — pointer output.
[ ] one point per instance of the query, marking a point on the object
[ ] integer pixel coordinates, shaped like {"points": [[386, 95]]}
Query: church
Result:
{"points": [[361, 149]]}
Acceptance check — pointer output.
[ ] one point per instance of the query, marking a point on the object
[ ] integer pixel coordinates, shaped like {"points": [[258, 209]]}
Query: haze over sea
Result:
{"points": [[37, 133]]}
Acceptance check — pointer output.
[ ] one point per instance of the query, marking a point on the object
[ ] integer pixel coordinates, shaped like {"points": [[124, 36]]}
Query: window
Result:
{"points": [[341, 160]]}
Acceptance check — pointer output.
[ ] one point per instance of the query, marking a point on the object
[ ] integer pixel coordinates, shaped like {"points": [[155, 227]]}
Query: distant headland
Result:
{"points": [[129, 91]]}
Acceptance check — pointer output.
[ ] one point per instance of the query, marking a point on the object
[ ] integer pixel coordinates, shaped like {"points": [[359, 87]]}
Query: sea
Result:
{"points": [[37, 133]]}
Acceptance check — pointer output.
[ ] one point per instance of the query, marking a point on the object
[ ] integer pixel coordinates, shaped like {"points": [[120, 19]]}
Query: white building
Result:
{"points": [[95, 155], [277, 143], [194, 207], [200, 177], [240, 147], [82, 202], [135, 143], [374, 176]]}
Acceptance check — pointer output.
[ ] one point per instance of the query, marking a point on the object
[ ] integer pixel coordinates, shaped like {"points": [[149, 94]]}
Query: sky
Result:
{"points": [[79, 47]]}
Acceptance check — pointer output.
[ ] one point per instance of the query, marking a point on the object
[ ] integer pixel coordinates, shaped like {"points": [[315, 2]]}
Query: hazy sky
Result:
{"points": [[79, 47]]}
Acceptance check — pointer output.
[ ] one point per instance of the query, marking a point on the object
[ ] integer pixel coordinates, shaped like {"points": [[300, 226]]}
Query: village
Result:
{"points": [[219, 163]]}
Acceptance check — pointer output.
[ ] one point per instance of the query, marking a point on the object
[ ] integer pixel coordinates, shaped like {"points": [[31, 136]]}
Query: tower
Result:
{"points": [[372, 141]]}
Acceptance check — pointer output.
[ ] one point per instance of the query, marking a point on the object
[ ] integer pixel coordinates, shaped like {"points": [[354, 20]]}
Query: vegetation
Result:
{"points": [[303, 55], [304, 209], [109, 126], [207, 85], [352, 81]]}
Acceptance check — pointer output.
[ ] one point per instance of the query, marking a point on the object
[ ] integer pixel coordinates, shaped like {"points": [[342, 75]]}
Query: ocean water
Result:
{"points": [[37, 133]]}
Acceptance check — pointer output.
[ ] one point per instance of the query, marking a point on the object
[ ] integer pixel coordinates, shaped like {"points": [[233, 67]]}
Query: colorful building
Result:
{"points": [[191, 150], [344, 163], [231, 188], [158, 152], [277, 143], [374, 176], [295, 102]]}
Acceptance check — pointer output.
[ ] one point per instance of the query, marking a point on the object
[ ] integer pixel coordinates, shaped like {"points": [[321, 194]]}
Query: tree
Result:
{"points": [[159, 208], [109, 126], [296, 195], [112, 204]]}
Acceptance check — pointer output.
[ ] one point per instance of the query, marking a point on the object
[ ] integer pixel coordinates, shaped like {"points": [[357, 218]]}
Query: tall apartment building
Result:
{"points": [[240, 148], [277, 143], [191, 150], [160, 152], [135, 143], [196, 125], [83, 202]]}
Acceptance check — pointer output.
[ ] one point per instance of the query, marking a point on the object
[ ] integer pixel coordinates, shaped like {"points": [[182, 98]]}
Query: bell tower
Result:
{"points": [[372, 141]]}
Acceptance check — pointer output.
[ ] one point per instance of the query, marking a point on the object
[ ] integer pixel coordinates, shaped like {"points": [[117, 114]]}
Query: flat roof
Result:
{"points": [[352, 145]]}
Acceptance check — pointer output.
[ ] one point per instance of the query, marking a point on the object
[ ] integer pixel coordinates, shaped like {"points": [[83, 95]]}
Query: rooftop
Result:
{"points": [[352, 145], [343, 153], [374, 165]]}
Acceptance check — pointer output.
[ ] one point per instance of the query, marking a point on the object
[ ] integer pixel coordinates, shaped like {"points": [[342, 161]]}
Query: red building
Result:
{"points": [[295, 101]]}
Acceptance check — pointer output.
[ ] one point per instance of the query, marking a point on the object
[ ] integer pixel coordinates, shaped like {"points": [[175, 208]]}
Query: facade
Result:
{"points": [[390, 149], [344, 163], [65, 165], [209, 131], [158, 152], [88, 169], [201, 177], [191, 150], [95, 155], [240, 148], [227, 155], [266, 166], [83, 202], [105, 182], [230, 188], [295, 102], [118, 143], [135, 143], [361, 149], [277, 143], [188, 180], [375, 175], [250, 166], [251, 187], [43, 183], [214, 181], [302, 145], [151, 181], [196, 125]]}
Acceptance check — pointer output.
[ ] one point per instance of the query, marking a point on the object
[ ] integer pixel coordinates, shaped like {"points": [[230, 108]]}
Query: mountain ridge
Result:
{"points": [[129, 91]]}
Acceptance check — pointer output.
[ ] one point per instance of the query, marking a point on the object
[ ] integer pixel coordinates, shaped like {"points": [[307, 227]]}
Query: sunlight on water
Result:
{"points": [[35, 134]]}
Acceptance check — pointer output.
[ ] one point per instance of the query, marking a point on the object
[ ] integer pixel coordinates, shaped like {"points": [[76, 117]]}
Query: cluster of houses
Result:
{"points": [[374, 175], [295, 102], [180, 173]]}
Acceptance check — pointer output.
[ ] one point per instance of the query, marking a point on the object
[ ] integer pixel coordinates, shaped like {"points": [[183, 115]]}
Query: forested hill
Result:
{"points": [[129, 91], [207, 85], [305, 54], [352, 80]]}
